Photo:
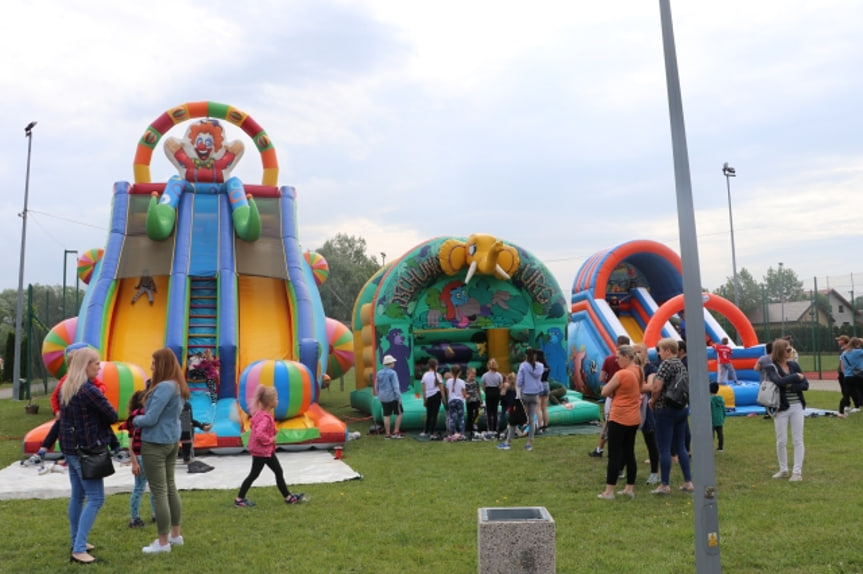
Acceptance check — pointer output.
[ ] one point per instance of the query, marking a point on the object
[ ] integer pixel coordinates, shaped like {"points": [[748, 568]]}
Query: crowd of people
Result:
{"points": [[636, 398], [635, 390], [83, 424], [512, 404]]}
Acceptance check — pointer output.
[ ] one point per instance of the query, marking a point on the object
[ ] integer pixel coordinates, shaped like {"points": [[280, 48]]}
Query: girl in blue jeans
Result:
{"points": [[136, 407]]}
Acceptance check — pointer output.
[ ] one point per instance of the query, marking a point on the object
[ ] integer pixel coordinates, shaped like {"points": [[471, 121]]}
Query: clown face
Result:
{"points": [[204, 145]]}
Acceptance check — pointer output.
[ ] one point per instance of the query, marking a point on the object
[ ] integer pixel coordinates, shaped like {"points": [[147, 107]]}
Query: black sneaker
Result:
{"points": [[243, 503], [136, 523], [295, 498], [595, 453]]}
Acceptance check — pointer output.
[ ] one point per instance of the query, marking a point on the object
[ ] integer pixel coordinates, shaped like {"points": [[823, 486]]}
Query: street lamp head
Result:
{"points": [[728, 171], [29, 128]]}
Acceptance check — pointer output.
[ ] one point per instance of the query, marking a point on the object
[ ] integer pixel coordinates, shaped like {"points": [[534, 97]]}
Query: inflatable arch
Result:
{"points": [[711, 301]]}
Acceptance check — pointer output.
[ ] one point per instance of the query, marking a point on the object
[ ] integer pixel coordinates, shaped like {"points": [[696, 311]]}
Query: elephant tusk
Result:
{"points": [[503, 274], [470, 272]]}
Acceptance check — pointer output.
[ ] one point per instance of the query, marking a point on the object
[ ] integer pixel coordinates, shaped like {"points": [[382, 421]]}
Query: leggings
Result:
{"points": [[621, 452], [492, 401], [472, 412], [258, 463], [432, 411]]}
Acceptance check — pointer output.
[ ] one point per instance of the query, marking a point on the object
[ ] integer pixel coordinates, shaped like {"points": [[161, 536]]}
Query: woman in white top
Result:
{"points": [[456, 396], [491, 382], [432, 394], [529, 383]]}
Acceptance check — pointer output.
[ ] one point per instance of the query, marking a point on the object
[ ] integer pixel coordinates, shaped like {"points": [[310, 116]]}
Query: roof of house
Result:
{"points": [[795, 312]]}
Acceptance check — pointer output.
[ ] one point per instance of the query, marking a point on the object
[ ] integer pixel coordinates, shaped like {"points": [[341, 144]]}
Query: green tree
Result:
{"points": [[8, 358], [350, 268], [749, 291], [783, 285]]}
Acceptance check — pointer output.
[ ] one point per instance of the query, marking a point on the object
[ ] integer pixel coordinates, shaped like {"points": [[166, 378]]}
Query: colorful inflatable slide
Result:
{"points": [[461, 301], [635, 289], [205, 264]]}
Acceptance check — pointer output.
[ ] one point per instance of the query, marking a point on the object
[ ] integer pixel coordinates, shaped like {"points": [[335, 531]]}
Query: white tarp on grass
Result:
{"points": [[306, 467]]}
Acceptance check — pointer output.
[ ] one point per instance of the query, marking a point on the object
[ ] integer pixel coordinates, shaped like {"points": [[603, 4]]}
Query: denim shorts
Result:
{"points": [[546, 389]]}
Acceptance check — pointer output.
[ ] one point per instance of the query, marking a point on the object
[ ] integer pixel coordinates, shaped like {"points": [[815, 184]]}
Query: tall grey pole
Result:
{"points": [[704, 502], [729, 173], [782, 298], [16, 368]]}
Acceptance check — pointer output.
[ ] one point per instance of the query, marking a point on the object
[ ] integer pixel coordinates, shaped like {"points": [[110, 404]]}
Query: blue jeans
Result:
{"points": [[82, 514], [455, 411], [671, 432], [138, 493]]}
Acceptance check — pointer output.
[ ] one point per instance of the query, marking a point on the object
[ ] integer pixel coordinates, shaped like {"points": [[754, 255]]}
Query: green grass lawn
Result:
{"points": [[415, 510]]}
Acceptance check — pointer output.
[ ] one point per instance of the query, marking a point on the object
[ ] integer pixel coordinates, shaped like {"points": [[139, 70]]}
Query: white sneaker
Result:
{"points": [[653, 479], [854, 410], [796, 477], [781, 474], [156, 548], [178, 541]]}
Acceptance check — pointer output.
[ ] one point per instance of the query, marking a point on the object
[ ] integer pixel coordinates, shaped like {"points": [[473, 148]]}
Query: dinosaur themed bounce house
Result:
{"points": [[461, 301], [210, 267]]}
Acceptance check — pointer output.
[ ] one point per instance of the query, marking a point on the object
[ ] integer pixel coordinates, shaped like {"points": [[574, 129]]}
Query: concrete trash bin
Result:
{"points": [[517, 540]]}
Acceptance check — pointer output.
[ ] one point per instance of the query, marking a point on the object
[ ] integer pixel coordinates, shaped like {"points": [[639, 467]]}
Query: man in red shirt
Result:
{"points": [[609, 367], [723, 358]]}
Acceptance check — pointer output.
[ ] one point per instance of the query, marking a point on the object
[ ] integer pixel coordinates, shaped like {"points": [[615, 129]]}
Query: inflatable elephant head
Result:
{"points": [[481, 253]]}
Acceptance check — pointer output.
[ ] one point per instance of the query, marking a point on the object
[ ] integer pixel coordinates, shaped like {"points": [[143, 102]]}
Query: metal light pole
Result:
{"points": [[782, 298], [730, 172], [383, 258], [704, 499], [16, 368], [66, 253]]}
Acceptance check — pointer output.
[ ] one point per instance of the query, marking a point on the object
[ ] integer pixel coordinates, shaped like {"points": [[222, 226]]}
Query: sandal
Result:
{"points": [[685, 488], [661, 490]]}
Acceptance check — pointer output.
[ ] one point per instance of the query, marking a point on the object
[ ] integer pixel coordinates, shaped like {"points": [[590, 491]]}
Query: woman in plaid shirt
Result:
{"points": [[85, 419]]}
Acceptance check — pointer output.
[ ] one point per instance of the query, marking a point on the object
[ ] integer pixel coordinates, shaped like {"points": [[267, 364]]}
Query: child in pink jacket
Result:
{"points": [[262, 447]]}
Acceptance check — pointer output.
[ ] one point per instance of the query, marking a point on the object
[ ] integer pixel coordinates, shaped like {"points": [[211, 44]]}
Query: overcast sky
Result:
{"points": [[544, 123]]}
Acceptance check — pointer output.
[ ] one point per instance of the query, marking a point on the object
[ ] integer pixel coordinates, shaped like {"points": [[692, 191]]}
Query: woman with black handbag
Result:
{"points": [[85, 424]]}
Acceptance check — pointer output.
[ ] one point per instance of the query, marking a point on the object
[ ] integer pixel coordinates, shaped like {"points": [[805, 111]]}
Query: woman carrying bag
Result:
{"points": [[85, 421], [787, 375]]}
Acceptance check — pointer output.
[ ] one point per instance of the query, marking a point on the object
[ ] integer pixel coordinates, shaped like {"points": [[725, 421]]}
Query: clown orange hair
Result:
{"points": [[208, 127]]}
